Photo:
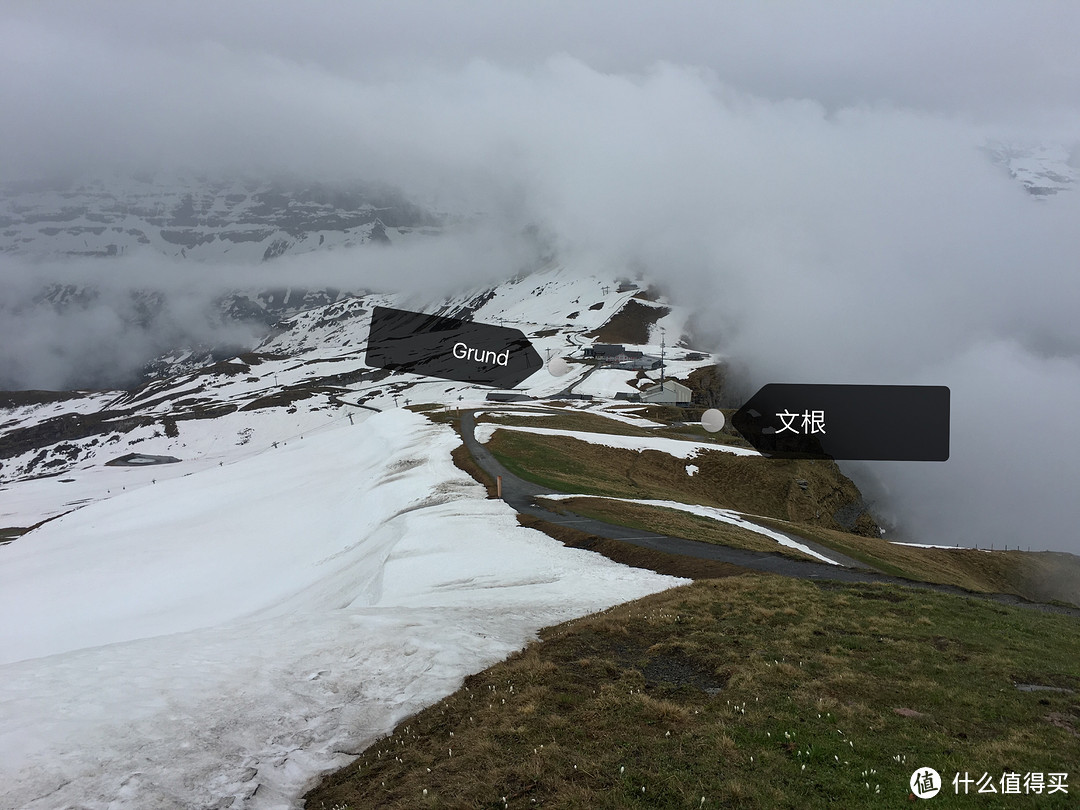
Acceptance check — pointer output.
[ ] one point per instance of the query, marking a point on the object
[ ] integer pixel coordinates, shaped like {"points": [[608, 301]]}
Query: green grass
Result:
{"points": [[675, 523], [766, 491], [695, 432], [1038, 576], [754, 691], [746, 483]]}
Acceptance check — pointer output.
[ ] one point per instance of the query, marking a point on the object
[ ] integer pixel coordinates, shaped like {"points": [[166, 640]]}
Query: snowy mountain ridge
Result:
{"points": [[191, 217], [261, 564], [219, 639], [311, 372], [1043, 170]]}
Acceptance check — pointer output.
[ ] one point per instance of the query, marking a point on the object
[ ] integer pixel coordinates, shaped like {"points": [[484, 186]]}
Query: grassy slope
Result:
{"points": [[675, 523], [675, 565], [630, 324], [810, 678], [1028, 574], [747, 483], [752, 691], [767, 490]]}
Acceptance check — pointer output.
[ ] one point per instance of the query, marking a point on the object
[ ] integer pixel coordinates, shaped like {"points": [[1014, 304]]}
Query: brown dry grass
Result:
{"points": [[1038, 576], [677, 524], [767, 490], [630, 324], [464, 461], [745, 483], [671, 564], [752, 691]]}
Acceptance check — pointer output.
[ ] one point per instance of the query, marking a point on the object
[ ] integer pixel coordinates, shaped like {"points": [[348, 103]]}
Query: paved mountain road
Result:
{"points": [[521, 495]]}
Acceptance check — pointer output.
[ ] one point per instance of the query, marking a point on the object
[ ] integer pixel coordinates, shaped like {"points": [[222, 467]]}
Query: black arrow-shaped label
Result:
{"points": [[450, 348], [867, 422]]}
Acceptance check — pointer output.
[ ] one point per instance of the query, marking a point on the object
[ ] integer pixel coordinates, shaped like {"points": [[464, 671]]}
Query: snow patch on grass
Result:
{"points": [[713, 513], [673, 447]]}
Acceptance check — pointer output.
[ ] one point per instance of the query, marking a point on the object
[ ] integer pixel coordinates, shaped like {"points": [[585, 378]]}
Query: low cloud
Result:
{"points": [[95, 323], [830, 221]]}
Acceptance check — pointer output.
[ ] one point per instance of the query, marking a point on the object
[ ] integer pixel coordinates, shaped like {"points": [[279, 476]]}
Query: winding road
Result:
{"points": [[521, 495]]}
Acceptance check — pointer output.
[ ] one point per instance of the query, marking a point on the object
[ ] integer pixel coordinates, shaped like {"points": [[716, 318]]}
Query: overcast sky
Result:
{"points": [[807, 175]]}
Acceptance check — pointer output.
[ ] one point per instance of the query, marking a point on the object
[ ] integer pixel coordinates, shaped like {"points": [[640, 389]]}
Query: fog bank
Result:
{"points": [[812, 181]]}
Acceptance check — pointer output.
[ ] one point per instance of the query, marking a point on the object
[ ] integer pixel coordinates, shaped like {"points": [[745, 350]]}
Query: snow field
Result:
{"points": [[189, 642], [200, 445], [607, 382]]}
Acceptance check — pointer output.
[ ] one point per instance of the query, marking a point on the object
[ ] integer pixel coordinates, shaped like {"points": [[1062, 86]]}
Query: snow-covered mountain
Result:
{"points": [[255, 563], [1043, 170], [313, 369], [261, 565], [232, 225], [203, 219]]}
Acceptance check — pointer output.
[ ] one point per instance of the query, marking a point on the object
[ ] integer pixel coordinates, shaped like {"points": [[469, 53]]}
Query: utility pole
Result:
{"points": [[663, 346]]}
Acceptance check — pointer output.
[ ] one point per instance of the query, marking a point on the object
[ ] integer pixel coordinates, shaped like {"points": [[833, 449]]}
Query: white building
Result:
{"points": [[669, 393]]}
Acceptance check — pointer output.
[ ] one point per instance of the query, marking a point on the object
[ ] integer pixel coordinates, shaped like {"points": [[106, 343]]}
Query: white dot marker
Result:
{"points": [[712, 420], [557, 367]]}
